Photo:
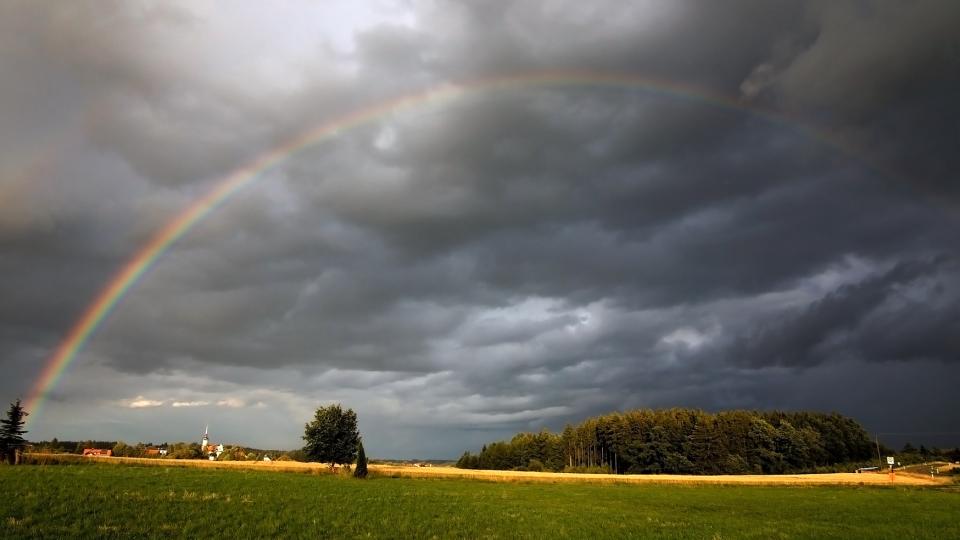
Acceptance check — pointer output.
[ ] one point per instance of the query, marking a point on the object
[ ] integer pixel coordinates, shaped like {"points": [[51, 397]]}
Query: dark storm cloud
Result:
{"points": [[907, 313], [869, 72], [506, 260]]}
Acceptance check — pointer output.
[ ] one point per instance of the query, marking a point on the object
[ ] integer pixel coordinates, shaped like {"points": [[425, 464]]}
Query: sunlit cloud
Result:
{"points": [[179, 404], [234, 403], [141, 402]]}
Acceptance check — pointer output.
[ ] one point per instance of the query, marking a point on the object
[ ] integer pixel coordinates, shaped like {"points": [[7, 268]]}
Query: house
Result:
{"points": [[154, 451], [211, 450], [97, 452]]}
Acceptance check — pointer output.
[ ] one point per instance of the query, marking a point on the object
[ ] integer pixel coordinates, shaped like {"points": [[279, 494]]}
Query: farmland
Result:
{"points": [[98, 499], [406, 471]]}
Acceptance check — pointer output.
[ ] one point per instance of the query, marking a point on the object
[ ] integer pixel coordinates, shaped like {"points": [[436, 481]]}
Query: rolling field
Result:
{"points": [[135, 501]]}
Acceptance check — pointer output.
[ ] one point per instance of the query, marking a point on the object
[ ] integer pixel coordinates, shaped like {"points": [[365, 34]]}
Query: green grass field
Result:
{"points": [[88, 501]]}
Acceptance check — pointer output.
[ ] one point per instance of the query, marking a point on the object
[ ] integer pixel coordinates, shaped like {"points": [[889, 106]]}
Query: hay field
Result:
{"points": [[869, 478], [875, 479]]}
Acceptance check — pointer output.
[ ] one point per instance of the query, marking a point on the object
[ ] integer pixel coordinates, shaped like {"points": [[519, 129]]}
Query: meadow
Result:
{"points": [[133, 501]]}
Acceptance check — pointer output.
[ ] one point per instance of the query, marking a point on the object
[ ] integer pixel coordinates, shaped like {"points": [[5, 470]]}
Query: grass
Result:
{"points": [[133, 501]]}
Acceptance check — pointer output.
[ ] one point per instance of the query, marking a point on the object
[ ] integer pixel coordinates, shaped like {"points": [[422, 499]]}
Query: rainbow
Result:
{"points": [[135, 268]]}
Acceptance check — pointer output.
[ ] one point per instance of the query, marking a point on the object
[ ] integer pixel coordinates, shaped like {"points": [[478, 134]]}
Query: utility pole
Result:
{"points": [[879, 459]]}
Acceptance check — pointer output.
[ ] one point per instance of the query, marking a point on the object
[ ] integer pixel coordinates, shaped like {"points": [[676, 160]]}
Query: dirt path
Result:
{"points": [[753, 479]]}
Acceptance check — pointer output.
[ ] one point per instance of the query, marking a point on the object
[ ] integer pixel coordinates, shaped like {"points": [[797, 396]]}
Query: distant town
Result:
{"points": [[207, 448]]}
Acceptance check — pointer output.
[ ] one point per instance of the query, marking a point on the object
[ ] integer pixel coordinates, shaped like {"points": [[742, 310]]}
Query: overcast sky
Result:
{"points": [[509, 260]]}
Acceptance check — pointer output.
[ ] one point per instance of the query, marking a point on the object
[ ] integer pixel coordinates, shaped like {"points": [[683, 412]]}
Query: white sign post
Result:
{"points": [[890, 462]]}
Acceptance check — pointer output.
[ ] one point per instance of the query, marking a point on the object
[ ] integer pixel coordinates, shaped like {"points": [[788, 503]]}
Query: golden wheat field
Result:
{"points": [[409, 471]]}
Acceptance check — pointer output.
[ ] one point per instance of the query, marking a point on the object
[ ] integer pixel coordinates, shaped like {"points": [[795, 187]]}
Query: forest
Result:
{"points": [[686, 441]]}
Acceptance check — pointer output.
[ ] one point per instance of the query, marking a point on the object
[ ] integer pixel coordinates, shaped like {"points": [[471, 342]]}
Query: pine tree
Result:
{"points": [[361, 470], [12, 442]]}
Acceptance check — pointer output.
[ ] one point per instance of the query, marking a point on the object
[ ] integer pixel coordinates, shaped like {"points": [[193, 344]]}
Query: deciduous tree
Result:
{"points": [[332, 437]]}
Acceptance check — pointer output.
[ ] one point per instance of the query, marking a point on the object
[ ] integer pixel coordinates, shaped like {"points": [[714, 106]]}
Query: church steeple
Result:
{"points": [[206, 439]]}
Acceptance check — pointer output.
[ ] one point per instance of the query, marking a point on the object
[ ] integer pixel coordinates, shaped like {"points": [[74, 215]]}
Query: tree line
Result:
{"points": [[685, 441], [175, 450]]}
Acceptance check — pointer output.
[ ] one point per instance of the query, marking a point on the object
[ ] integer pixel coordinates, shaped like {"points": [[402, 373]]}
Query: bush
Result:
{"points": [[535, 465]]}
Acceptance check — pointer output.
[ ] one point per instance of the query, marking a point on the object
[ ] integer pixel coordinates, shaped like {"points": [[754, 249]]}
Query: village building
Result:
{"points": [[212, 451]]}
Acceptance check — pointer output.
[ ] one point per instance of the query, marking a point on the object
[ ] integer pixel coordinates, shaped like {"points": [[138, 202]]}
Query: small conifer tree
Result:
{"points": [[361, 470], [12, 442]]}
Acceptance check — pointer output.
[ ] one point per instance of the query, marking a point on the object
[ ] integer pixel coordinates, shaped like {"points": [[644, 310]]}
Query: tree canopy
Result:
{"points": [[332, 435], [687, 441]]}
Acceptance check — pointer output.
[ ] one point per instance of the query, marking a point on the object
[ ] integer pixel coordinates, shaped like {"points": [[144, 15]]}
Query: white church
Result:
{"points": [[211, 451]]}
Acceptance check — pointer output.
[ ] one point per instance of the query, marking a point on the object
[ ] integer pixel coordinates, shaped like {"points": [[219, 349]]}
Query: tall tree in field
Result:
{"points": [[361, 470], [12, 442], [332, 437]]}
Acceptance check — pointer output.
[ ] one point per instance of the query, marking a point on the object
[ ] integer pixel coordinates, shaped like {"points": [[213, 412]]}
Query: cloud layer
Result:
{"points": [[508, 260]]}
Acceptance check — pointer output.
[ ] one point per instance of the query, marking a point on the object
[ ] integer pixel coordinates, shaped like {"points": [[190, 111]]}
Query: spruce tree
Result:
{"points": [[12, 442], [361, 470]]}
